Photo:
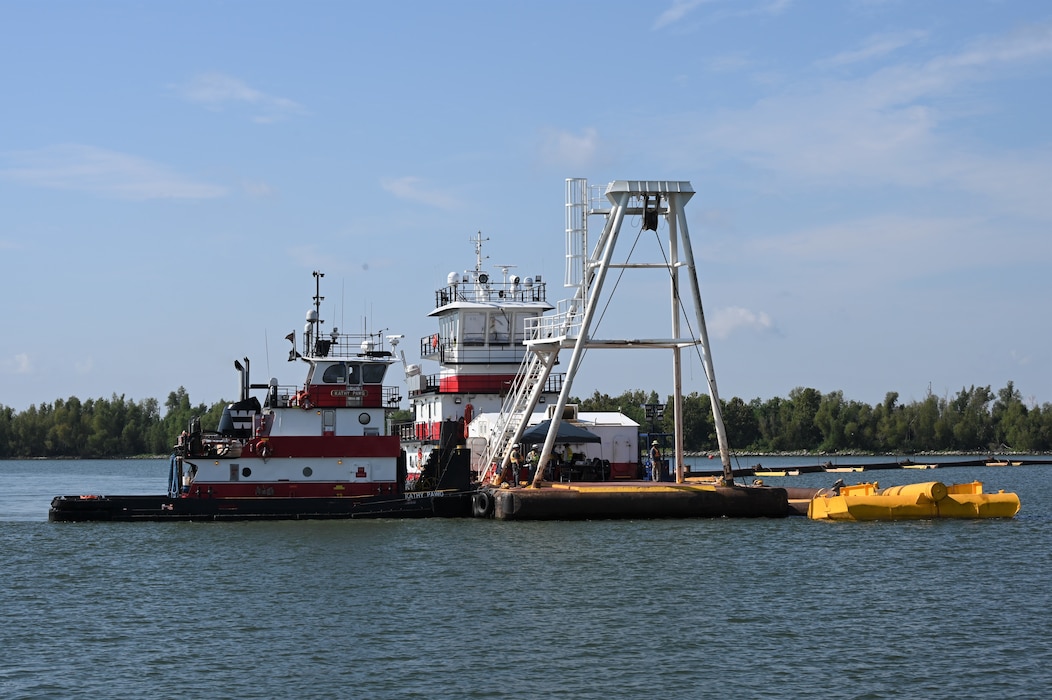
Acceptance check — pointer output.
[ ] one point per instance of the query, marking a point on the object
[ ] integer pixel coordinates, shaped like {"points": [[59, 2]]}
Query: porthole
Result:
{"points": [[307, 471], [246, 472], [364, 418]]}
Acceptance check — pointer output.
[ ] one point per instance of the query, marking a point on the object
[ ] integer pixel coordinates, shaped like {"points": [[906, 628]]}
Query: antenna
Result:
{"points": [[504, 269], [410, 370], [478, 240], [318, 298], [266, 349]]}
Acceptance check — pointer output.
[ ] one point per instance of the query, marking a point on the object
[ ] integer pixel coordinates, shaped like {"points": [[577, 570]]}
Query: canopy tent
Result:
{"points": [[569, 434]]}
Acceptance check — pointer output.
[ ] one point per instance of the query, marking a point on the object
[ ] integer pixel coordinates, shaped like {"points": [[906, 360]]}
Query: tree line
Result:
{"points": [[974, 420], [100, 428]]}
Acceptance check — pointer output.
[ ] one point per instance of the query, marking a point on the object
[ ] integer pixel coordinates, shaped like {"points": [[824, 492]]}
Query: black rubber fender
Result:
{"points": [[482, 504]]}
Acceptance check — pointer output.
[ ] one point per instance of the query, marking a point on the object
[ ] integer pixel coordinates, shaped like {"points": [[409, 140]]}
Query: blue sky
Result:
{"points": [[874, 182]]}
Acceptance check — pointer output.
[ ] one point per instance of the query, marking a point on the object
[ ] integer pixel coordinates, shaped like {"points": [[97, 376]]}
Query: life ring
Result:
{"points": [[434, 341], [482, 504], [419, 457], [301, 399]]}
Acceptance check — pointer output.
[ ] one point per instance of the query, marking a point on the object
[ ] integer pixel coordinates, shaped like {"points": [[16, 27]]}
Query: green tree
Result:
{"points": [[699, 428], [7, 415], [1011, 424], [802, 408], [829, 419], [743, 430], [972, 425], [769, 420]]}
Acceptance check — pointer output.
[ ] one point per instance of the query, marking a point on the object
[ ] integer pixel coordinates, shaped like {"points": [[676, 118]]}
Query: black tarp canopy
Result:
{"points": [[569, 434]]}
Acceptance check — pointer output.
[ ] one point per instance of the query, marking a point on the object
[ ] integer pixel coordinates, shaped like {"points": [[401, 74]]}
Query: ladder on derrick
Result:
{"points": [[547, 335], [518, 405]]}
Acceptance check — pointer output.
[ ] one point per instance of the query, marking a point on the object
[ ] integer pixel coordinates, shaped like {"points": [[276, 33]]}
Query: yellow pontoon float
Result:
{"points": [[925, 501]]}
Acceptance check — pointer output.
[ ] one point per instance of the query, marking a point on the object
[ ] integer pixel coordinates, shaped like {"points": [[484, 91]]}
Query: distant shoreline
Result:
{"points": [[802, 454]]}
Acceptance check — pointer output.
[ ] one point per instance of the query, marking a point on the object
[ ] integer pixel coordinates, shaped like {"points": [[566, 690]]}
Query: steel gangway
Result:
{"points": [[546, 335]]}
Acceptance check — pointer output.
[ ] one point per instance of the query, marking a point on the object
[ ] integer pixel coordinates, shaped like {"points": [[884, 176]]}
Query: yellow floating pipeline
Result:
{"points": [[932, 491], [923, 501], [969, 501], [865, 502]]}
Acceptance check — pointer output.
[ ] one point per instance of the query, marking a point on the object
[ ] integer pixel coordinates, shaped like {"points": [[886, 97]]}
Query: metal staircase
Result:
{"points": [[519, 404], [546, 335]]}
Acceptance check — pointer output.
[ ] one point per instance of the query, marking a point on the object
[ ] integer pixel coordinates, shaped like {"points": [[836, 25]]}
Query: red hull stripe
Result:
{"points": [[334, 446], [476, 384], [285, 489]]}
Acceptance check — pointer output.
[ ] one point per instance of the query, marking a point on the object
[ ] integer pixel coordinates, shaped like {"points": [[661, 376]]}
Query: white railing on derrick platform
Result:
{"points": [[564, 323]]}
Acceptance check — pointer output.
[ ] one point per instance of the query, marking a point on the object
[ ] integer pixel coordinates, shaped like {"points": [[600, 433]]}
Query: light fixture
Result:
{"points": [[457, 400]]}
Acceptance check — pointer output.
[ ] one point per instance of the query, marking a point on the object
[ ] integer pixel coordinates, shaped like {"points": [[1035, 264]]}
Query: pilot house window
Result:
{"points": [[498, 328], [474, 328], [342, 373], [373, 373], [335, 374]]}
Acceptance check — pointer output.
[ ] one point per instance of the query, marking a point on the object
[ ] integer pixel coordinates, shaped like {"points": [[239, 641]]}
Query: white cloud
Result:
{"points": [[729, 63], [217, 91], [875, 251], [679, 10], [876, 46], [19, 364], [99, 171], [726, 321], [411, 188], [893, 126], [261, 190], [572, 151], [768, 7], [1019, 359], [733, 9]]}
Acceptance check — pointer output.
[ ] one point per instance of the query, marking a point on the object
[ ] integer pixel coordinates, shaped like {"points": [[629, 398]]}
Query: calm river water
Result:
{"points": [[487, 609]]}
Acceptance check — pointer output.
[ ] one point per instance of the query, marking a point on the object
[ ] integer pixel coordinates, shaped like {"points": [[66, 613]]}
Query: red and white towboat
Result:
{"points": [[478, 345], [321, 449]]}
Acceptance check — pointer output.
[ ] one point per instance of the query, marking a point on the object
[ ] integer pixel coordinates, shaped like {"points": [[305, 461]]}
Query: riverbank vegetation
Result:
{"points": [[97, 428], [975, 419]]}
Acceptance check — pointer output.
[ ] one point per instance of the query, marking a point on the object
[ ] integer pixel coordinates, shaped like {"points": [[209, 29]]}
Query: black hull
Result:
{"points": [[159, 508], [643, 502]]}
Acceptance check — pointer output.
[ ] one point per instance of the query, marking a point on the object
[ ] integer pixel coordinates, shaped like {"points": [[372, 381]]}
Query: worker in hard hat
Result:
{"points": [[656, 465]]}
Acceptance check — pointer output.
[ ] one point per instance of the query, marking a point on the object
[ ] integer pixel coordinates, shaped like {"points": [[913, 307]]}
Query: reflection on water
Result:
{"points": [[472, 609]]}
